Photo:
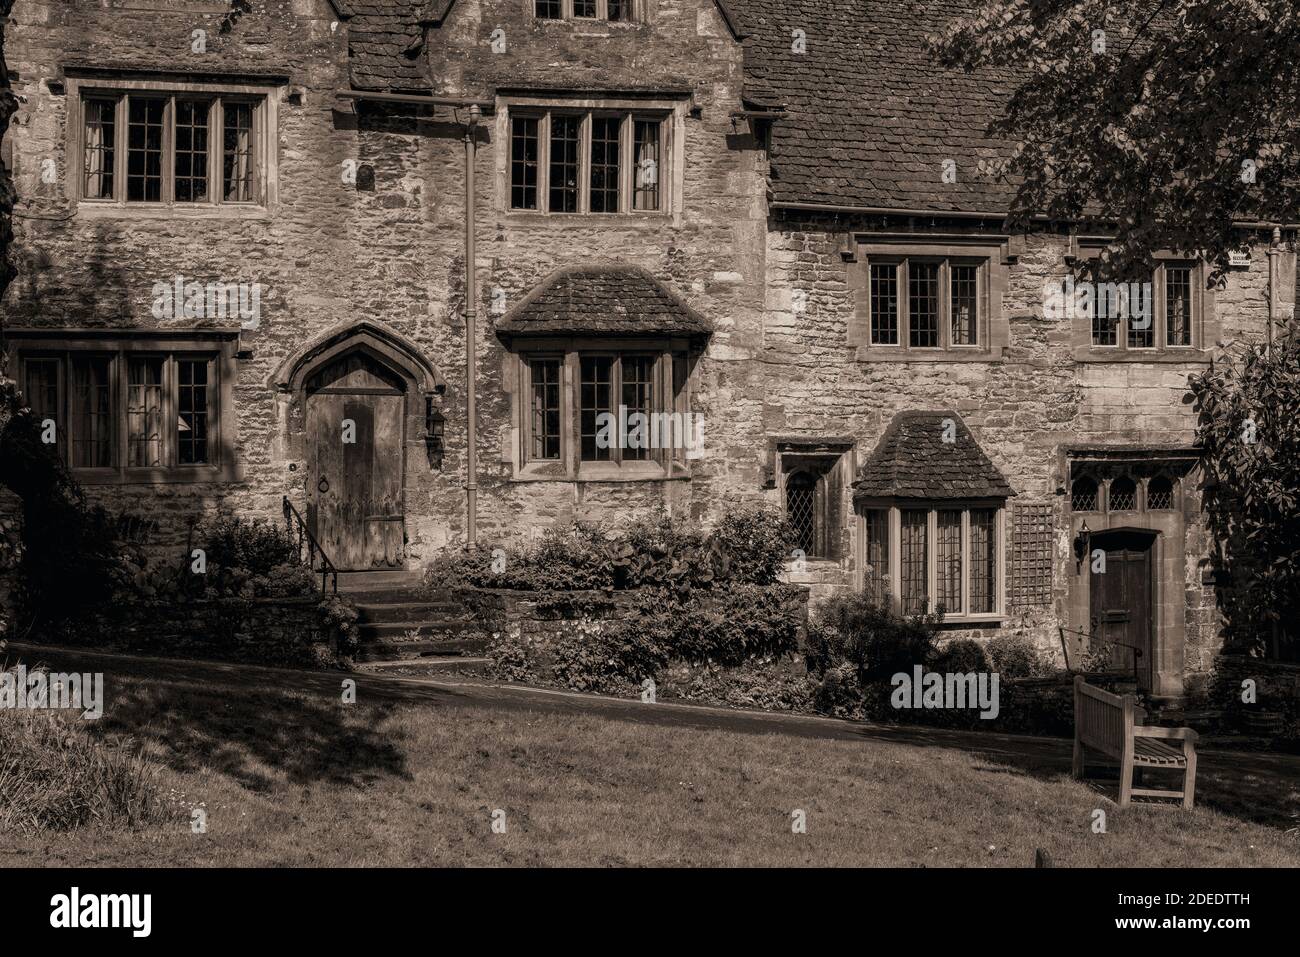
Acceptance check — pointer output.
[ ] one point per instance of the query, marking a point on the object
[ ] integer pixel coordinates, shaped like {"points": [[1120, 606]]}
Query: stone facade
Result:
{"points": [[363, 236]]}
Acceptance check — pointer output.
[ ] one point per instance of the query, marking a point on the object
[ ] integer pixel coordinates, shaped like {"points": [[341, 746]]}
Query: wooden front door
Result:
{"points": [[355, 424], [1120, 601]]}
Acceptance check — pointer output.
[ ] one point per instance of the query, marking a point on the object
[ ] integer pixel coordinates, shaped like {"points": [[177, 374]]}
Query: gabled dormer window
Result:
{"points": [[614, 11]]}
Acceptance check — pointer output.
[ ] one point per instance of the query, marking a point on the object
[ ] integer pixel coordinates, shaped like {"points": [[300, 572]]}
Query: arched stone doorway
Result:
{"points": [[353, 412]]}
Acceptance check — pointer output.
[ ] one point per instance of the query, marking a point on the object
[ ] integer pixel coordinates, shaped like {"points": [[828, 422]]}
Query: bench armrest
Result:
{"points": [[1183, 734]]}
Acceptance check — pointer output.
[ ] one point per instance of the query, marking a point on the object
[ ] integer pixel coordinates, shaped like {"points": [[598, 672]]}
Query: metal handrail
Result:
{"points": [[292, 521]]}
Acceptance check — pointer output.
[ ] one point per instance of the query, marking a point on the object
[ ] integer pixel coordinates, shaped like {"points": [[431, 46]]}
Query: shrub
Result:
{"points": [[1016, 656], [962, 656], [875, 640], [748, 546], [56, 776], [767, 685], [511, 660], [615, 661]]}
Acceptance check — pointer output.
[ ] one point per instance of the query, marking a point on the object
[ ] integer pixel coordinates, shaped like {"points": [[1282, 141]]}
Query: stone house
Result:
{"points": [[248, 275]]}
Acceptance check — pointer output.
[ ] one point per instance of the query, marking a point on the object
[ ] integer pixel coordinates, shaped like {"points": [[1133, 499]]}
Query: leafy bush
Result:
{"points": [[872, 638], [1248, 428], [962, 656], [768, 685], [56, 776], [614, 661], [748, 546], [1016, 656]]}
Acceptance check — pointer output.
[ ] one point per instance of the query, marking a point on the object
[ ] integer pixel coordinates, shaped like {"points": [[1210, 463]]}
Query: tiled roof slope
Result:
{"points": [[872, 117], [603, 300], [913, 461], [385, 39]]}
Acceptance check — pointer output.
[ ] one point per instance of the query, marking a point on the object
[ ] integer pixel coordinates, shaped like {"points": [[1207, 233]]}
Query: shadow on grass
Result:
{"points": [[252, 733], [1258, 788]]}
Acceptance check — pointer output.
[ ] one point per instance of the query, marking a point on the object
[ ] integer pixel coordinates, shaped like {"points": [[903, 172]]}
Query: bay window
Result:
{"points": [[594, 410], [919, 557]]}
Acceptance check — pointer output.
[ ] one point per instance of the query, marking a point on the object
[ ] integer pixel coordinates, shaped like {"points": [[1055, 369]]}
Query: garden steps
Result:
{"points": [[374, 611], [432, 627], [388, 650], [432, 665]]}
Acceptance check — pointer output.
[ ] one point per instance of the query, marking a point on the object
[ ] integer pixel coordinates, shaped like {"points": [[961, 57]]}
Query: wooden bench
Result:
{"points": [[1113, 725]]}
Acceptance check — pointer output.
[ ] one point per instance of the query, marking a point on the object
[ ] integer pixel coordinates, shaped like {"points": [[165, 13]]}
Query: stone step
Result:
{"points": [[416, 650], [375, 612], [425, 627], [432, 665], [392, 578]]}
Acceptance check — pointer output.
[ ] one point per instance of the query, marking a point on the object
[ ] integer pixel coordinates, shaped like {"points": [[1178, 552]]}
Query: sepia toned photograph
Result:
{"points": [[645, 434]]}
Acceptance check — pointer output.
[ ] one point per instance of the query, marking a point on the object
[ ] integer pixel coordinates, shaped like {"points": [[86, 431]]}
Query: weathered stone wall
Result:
{"points": [[1024, 409], [332, 254]]}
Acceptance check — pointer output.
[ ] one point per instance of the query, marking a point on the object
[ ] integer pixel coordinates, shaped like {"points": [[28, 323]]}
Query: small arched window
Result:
{"points": [[1083, 495], [1160, 493], [1123, 495]]}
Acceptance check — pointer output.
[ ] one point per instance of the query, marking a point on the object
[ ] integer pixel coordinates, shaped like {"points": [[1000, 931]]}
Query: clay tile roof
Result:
{"points": [[913, 461], [385, 40], [603, 300], [872, 118]]}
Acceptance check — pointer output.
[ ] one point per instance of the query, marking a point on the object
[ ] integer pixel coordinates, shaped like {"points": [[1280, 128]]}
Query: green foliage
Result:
{"points": [[56, 776], [875, 640], [1148, 129], [1016, 656], [962, 656], [1248, 428], [748, 546], [72, 560], [614, 661]]}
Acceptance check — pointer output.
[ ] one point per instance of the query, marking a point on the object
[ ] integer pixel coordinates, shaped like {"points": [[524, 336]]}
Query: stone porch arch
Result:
{"points": [[423, 388]]}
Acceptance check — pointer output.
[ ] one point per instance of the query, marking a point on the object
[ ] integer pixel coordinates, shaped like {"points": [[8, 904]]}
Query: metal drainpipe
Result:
{"points": [[1274, 251], [471, 334]]}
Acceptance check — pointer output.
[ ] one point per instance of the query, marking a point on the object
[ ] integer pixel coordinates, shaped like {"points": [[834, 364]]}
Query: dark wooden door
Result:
{"points": [[355, 500], [1120, 601]]}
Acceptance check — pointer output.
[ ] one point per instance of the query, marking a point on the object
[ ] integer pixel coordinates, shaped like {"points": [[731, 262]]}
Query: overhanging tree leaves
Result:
{"points": [[1249, 428], [1170, 119]]}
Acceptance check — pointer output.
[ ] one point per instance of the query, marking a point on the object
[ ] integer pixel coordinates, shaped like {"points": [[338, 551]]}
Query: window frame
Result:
{"points": [[990, 255], [667, 115], [893, 573], [902, 315], [567, 8], [1205, 327], [264, 152], [219, 353], [570, 466]]}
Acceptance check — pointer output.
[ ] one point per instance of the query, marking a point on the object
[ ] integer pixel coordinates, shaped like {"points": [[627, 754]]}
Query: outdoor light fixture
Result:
{"points": [[1081, 542], [434, 426]]}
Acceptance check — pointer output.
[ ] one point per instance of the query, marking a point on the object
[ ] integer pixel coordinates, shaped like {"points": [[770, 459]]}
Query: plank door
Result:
{"points": [[1120, 602], [355, 487]]}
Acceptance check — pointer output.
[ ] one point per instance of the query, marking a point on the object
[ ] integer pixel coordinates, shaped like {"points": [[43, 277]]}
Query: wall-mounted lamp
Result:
{"points": [[1081, 540], [434, 428]]}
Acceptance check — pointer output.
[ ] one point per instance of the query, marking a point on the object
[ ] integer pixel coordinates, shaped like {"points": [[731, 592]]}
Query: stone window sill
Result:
{"points": [[1182, 356], [197, 475], [604, 472], [93, 210], [897, 354]]}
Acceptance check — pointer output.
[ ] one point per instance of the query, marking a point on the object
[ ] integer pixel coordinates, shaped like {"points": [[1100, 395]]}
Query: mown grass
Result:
{"points": [[296, 778]]}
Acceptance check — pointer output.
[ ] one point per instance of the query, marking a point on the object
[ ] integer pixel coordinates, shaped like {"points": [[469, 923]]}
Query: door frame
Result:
{"points": [[1146, 670], [313, 511], [425, 390]]}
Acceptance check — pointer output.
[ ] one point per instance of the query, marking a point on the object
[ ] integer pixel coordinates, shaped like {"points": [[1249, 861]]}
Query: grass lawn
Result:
{"points": [[294, 778]]}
